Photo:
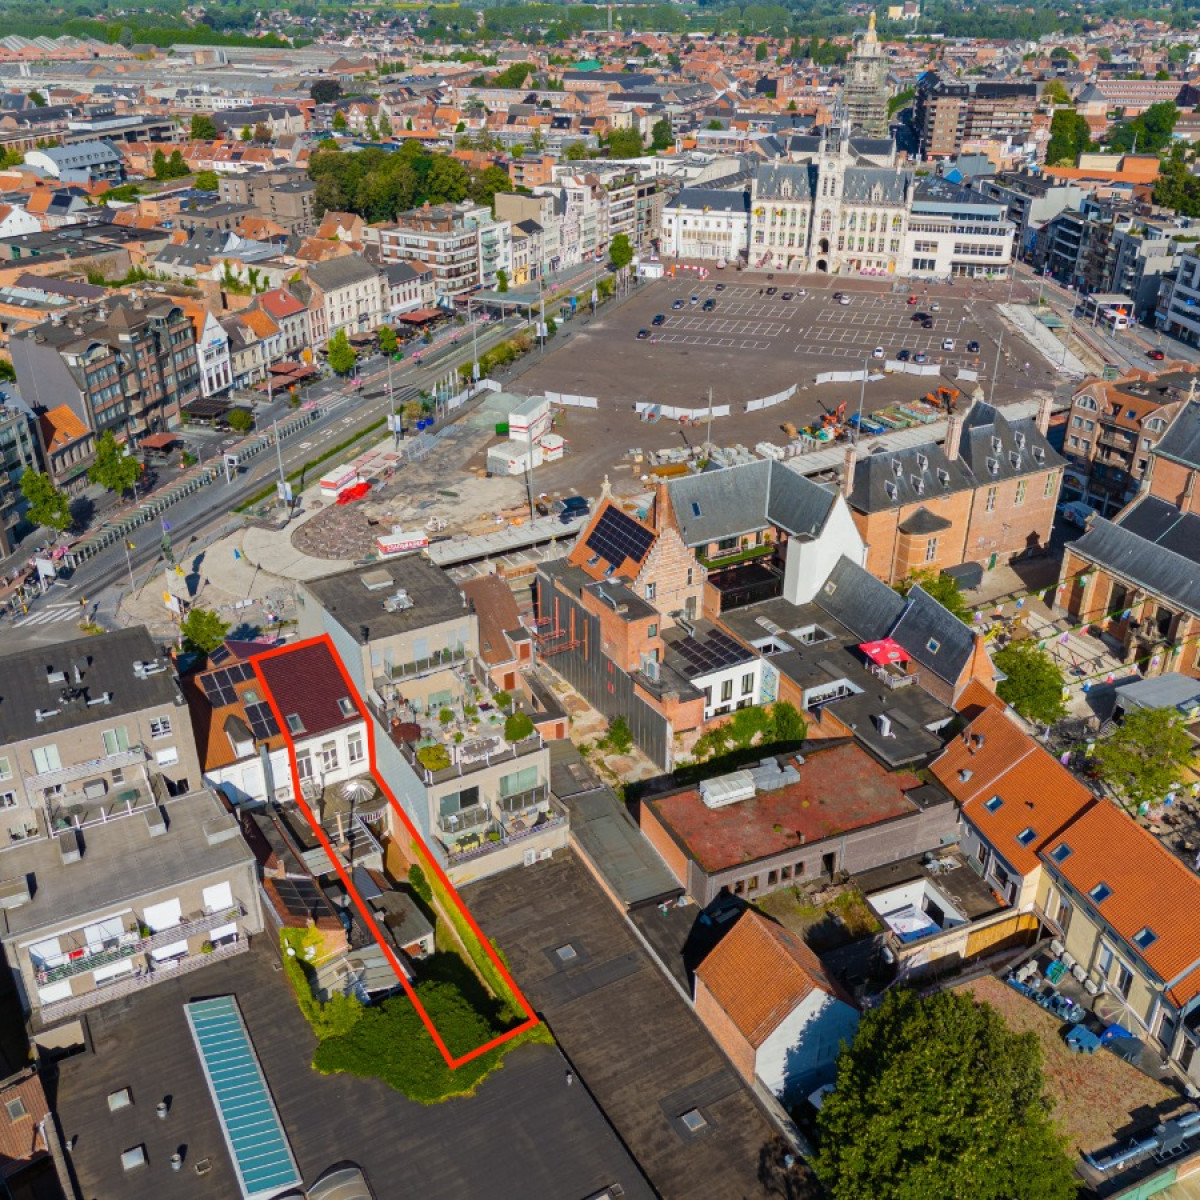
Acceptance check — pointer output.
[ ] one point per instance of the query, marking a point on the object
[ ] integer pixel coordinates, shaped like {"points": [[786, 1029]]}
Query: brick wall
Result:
{"points": [[1174, 483], [677, 578], [1012, 528], [724, 1032], [662, 841]]}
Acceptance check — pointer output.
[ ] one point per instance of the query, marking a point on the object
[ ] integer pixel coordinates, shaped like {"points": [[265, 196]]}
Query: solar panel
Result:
{"points": [[249, 1119], [301, 897], [218, 690], [617, 536], [262, 720], [218, 656], [714, 651]]}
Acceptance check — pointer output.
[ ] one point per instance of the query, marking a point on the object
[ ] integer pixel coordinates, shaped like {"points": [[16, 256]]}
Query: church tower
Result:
{"points": [[866, 90]]}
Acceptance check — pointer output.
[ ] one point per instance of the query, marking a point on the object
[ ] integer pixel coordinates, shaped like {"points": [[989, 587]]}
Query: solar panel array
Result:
{"points": [[219, 655], [618, 536], [262, 720], [220, 688], [717, 651], [249, 1119], [301, 897]]}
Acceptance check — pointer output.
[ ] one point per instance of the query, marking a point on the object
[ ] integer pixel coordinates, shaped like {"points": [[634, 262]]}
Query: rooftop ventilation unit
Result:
{"points": [[69, 846], [398, 601], [143, 670], [44, 714], [156, 822], [727, 789], [14, 892]]}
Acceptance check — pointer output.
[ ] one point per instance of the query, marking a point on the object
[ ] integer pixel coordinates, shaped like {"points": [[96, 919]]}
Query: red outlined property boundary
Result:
{"points": [[429, 863]]}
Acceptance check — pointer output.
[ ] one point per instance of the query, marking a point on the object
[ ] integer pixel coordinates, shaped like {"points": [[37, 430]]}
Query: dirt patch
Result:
{"points": [[827, 920], [1097, 1098]]}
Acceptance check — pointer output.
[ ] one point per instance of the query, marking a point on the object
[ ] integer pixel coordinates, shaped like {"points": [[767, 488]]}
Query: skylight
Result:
{"points": [[1061, 852], [347, 707], [294, 724], [1146, 937], [693, 1120], [1026, 836], [695, 508], [1100, 893], [994, 804], [933, 645]]}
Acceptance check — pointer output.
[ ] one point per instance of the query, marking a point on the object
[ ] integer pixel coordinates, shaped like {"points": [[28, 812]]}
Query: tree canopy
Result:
{"points": [[620, 252], [661, 135], [203, 129], [513, 76], [1146, 757], [325, 91], [48, 507], [1070, 135], [341, 355], [625, 143], [1149, 132], [203, 631], [114, 467], [936, 1099], [1034, 683], [943, 588]]}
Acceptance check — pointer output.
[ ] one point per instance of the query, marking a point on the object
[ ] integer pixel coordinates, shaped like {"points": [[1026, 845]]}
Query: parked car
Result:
{"points": [[659, 319], [877, 352], [920, 357], [694, 300], [972, 347], [786, 296], [947, 343], [1155, 354], [772, 290], [935, 307], [927, 323], [844, 300], [677, 305], [919, 316], [912, 299], [903, 355], [709, 305], [1075, 512], [643, 334], [719, 287]]}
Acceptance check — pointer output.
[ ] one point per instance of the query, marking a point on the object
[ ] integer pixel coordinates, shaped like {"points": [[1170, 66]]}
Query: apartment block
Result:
{"points": [[91, 915], [90, 727], [948, 113], [285, 197], [18, 453], [441, 238]]}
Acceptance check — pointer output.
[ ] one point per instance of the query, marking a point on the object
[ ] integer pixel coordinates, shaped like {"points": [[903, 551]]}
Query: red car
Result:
{"points": [[1157, 355], [912, 299]]}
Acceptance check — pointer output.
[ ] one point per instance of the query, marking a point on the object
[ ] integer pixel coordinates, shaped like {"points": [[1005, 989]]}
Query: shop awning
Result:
{"points": [[885, 652], [421, 315], [158, 441]]}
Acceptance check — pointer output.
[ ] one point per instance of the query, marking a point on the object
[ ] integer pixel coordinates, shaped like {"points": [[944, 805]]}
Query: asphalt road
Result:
{"points": [[344, 411]]}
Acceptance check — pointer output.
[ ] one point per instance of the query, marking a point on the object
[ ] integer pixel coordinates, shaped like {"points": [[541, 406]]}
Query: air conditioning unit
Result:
{"points": [[1068, 961]]}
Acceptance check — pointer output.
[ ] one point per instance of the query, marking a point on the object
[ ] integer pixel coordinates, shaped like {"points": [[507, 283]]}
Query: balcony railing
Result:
{"points": [[426, 666], [131, 943], [556, 820], [469, 760], [894, 679], [134, 756], [58, 1009]]}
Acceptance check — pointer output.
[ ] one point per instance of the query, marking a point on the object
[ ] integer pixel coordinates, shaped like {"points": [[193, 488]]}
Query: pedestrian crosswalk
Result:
{"points": [[50, 614]]}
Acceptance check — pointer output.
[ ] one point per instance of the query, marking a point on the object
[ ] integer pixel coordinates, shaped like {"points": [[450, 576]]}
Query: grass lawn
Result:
{"points": [[1093, 1095]]}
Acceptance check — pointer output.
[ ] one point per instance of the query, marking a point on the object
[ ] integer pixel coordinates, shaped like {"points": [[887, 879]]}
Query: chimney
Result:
{"points": [[659, 515], [850, 461], [953, 436], [1043, 414]]}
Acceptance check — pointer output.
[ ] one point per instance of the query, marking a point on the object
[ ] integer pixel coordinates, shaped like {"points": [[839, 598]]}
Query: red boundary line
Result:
{"points": [[531, 1019]]}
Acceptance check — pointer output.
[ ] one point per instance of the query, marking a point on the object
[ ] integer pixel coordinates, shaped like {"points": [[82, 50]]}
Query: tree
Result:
{"points": [[177, 167], [1053, 92], [48, 507], [484, 185], [502, 280], [513, 76], [325, 91], [625, 143], [115, 468], [760, 52], [447, 180], [936, 1097], [661, 135], [369, 130], [789, 725], [1149, 132], [576, 151], [203, 128], [262, 133], [206, 181], [37, 99], [341, 355], [160, 165], [339, 121], [518, 727], [247, 134], [1147, 755], [620, 252], [203, 631], [715, 125], [388, 342], [1034, 684], [943, 588], [240, 420], [1070, 135], [385, 127]]}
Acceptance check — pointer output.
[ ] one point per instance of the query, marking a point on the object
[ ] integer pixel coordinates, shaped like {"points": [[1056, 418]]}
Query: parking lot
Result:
{"points": [[753, 345]]}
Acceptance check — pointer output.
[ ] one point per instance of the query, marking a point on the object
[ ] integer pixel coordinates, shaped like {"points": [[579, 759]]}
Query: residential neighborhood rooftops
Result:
{"points": [[839, 788], [1181, 442], [52, 689], [120, 860]]}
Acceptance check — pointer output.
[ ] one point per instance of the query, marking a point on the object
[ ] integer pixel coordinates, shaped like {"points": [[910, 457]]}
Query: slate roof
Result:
{"points": [[861, 184], [758, 973], [1181, 442], [714, 199], [924, 522], [863, 604], [1152, 545], [934, 637], [307, 682], [343, 271], [744, 499], [785, 181], [992, 449]]}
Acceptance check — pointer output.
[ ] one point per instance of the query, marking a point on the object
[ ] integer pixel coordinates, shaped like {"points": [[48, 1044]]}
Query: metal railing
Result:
{"points": [[55, 1011], [557, 821], [131, 757]]}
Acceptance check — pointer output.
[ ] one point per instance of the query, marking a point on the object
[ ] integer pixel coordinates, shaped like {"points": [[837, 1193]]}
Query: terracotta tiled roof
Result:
{"points": [[281, 303], [1149, 889], [1015, 793], [59, 427], [583, 554], [259, 321], [759, 973], [974, 698], [498, 615]]}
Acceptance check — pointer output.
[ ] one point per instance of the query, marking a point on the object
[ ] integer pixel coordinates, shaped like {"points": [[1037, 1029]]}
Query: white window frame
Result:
{"points": [[355, 749], [160, 727]]}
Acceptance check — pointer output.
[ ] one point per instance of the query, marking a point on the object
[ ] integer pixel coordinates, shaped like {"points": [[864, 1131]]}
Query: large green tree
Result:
{"points": [[341, 355], [1146, 756], [325, 91], [620, 252], [203, 631], [625, 143], [1034, 683], [943, 588], [48, 507], [203, 128], [1147, 133], [937, 1099], [1070, 136], [114, 468], [661, 135]]}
